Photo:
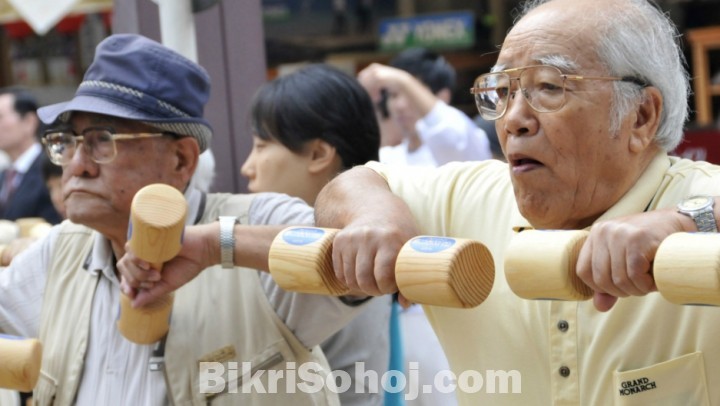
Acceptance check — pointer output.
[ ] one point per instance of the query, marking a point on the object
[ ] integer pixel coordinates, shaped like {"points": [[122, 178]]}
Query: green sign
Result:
{"points": [[439, 31]]}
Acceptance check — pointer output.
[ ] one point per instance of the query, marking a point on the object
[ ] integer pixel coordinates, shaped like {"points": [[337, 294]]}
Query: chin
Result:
{"points": [[535, 207], [76, 216]]}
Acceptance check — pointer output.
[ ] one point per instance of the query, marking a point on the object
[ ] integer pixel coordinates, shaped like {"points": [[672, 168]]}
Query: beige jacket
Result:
{"points": [[221, 316]]}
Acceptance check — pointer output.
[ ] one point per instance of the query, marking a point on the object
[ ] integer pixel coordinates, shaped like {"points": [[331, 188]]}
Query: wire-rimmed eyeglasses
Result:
{"points": [[542, 86], [99, 144]]}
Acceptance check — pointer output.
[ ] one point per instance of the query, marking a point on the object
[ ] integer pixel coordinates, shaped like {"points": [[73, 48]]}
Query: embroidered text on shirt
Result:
{"points": [[636, 386]]}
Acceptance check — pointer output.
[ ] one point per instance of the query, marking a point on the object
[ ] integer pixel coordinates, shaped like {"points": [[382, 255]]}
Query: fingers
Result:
{"points": [[131, 291], [137, 273], [146, 296], [125, 288], [404, 302], [616, 262], [604, 302], [364, 260]]}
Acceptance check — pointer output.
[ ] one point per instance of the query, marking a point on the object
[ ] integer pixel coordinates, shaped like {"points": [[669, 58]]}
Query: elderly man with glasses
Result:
{"points": [[588, 98], [137, 119]]}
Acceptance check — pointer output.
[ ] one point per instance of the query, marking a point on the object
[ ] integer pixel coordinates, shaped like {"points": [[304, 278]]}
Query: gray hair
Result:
{"points": [[639, 40]]}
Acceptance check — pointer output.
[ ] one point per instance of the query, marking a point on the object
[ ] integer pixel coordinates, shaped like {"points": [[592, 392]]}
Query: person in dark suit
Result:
{"points": [[23, 192]]}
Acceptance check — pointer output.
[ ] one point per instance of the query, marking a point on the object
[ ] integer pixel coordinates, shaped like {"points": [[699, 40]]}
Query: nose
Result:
{"points": [[519, 118], [81, 163], [248, 168]]}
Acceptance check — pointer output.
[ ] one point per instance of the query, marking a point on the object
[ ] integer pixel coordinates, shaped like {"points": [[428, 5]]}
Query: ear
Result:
{"points": [[646, 120], [187, 153], [323, 157], [444, 94]]}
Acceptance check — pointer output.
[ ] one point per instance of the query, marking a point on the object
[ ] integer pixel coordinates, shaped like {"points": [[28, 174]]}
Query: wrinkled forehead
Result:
{"points": [[552, 35]]}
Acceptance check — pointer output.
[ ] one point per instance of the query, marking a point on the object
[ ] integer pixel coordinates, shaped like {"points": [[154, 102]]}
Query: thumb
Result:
{"points": [[603, 301], [145, 297], [403, 301]]}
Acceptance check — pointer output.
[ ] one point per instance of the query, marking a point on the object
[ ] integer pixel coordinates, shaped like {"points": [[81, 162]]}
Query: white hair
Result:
{"points": [[640, 41]]}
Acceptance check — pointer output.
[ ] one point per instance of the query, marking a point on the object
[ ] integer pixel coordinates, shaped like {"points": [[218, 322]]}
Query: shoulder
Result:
{"points": [[279, 208], [687, 167], [684, 177]]}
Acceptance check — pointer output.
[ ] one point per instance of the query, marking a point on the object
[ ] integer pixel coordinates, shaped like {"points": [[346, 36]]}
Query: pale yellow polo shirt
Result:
{"points": [[645, 351]]}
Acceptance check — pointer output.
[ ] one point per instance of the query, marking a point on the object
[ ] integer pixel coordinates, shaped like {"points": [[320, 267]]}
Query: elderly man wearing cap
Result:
{"points": [[136, 119]]}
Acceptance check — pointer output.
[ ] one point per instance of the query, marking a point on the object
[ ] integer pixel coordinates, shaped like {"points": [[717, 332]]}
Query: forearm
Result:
{"points": [[376, 77], [375, 225], [361, 196], [252, 244], [419, 95]]}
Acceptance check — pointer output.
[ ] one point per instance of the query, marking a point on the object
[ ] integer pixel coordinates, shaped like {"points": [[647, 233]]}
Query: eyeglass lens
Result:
{"points": [[99, 144], [542, 87]]}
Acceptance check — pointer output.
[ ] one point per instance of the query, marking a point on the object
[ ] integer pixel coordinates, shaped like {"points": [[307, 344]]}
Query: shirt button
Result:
{"points": [[563, 325], [564, 371]]}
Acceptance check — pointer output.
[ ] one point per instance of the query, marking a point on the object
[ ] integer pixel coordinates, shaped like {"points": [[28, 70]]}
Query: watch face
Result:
{"points": [[696, 203]]}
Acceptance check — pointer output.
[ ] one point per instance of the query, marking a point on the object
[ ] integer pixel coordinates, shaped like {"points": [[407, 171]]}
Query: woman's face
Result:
{"points": [[272, 167]]}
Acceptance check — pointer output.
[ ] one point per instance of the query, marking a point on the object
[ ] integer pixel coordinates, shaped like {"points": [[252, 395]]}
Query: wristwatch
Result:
{"points": [[700, 209], [227, 240]]}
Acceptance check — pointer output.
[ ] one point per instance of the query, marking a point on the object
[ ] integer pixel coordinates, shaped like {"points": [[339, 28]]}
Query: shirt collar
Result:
{"points": [[100, 259], [25, 161], [639, 197]]}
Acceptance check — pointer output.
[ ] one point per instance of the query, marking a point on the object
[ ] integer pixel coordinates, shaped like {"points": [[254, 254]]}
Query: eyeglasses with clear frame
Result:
{"points": [[99, 144], [542, 86]]}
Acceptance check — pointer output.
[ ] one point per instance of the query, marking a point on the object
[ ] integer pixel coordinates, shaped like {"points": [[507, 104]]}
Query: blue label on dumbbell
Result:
{"points": [[431, 244], [302, 235], [7, 337]]}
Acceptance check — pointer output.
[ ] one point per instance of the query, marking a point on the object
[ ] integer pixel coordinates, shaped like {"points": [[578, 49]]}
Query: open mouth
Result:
{"points": [[523, 163]]}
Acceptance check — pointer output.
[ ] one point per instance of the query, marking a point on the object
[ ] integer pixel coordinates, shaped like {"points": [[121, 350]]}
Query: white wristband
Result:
{"points": [[227, 240]]}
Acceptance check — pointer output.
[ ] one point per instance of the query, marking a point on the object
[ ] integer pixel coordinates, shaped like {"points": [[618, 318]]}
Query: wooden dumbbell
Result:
{"points": [[157, 221], [442, 271], [9, 231], [686, 268], [20, 360], [541, 264], [32, 227]]}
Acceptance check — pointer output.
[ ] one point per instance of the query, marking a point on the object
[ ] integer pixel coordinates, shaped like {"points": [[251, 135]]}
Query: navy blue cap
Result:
{"points": [[135, 78]]}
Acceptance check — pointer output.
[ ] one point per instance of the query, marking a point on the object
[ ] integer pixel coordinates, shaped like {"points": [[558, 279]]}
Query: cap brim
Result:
{"points": [[90, 104]]}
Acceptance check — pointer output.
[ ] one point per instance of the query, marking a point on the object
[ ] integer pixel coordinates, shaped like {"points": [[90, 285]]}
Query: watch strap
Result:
{"points": [[700, 209], [227, 240], [705, 221]]}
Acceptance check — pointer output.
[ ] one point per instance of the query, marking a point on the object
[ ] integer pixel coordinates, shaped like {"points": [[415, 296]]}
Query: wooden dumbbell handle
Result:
{"points": [[440, 271], [686, 268], [157, 221], [20, 360], [542, 265]]}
